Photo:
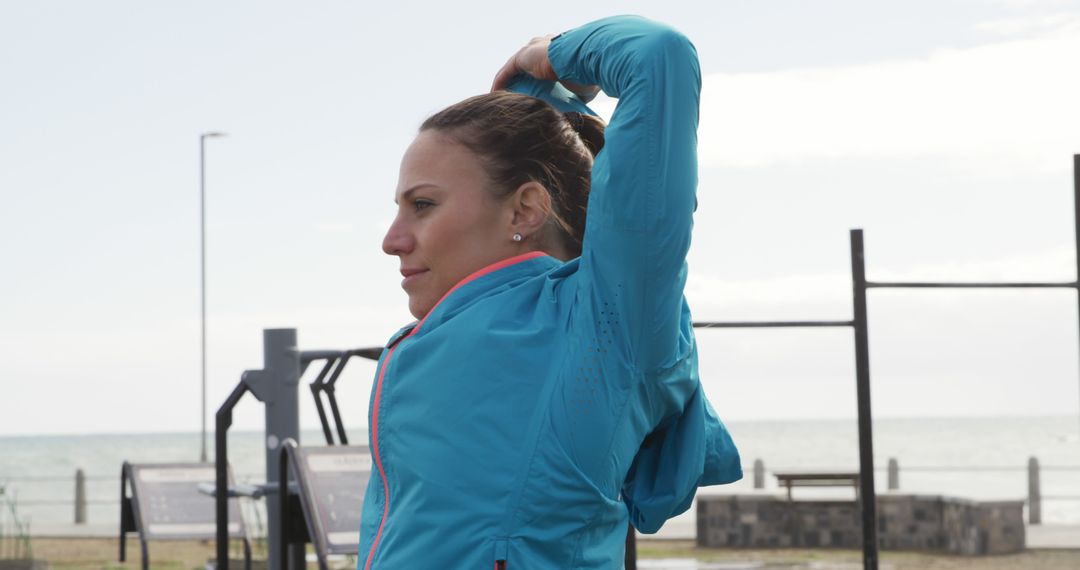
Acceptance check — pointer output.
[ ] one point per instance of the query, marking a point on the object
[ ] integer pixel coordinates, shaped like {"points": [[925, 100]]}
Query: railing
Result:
{"points": [[80, 500], [1035, 497]]}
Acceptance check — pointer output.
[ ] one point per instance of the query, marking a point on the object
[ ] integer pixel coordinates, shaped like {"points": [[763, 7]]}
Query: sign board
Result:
{"points": [[169, 506], [332, 484], [165, 504]]}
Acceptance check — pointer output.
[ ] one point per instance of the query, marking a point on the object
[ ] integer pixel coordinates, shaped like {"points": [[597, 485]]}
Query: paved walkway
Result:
{"points": [[1053, 536], [1038, 536]]}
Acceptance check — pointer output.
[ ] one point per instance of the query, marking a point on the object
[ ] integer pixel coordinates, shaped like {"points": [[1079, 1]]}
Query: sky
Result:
{"points": [[943, 128]]}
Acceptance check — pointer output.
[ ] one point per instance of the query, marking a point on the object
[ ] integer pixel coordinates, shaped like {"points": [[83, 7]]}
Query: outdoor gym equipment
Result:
{"points": [[164, 504], [276, 385]]}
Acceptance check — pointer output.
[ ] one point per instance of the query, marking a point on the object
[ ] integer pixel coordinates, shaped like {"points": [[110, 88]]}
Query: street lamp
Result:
{"points": [[202, 262]]}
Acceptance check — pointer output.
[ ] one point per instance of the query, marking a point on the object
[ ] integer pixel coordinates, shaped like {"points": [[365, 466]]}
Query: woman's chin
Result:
{"points": [[418, 307]]}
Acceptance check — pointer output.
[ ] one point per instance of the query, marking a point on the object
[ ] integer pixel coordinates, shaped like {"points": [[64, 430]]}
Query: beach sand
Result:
{"points": [[101, 553]]}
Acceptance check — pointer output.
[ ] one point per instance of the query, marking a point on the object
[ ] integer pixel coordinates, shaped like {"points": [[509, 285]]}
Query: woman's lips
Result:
{"points": [[411, 275]]}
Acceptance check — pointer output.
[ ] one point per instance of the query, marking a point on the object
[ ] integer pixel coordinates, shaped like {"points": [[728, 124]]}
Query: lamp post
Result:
{"points": [[202, 273]]}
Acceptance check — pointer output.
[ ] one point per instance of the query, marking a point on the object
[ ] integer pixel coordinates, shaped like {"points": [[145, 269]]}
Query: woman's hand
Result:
{"points": [[533, 60]]}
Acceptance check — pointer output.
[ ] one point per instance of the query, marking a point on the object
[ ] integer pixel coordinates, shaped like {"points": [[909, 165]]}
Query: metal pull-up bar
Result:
{"points": [[860, 285], [771, 324], [862, 352], [862, 382]]}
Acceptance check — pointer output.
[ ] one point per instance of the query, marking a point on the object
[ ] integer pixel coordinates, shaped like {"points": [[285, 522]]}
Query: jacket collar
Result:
{"points": [[478, 285]]}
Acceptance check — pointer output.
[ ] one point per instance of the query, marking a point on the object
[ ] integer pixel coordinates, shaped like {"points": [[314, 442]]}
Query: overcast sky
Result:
{"points": [[944, 128]]}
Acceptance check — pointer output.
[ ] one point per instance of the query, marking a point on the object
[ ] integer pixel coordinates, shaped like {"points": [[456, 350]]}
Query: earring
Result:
{"points": [[517, 237]]}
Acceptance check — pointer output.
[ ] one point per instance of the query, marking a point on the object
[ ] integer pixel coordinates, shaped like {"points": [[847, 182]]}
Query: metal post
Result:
{"points": [[1076, 223], [202, 275], [862, 375], [630, 555], [80, 497], [287, 448], [759, 474], [202, 283], [894, 474], [1034, 493], [277, 387], [127, 509]]}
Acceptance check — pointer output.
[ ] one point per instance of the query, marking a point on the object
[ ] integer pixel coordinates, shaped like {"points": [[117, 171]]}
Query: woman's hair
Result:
{"points": [[519, 139]]}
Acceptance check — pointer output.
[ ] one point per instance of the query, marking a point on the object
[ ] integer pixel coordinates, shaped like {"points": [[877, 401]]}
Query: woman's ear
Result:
{"points": [[531, 204]]}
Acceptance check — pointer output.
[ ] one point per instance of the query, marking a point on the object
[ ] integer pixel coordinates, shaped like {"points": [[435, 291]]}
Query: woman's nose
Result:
{"points": [[398, 239]]}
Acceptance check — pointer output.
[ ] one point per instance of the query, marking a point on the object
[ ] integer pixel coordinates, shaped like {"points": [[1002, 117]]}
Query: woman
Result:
{"points": [[548, 394]]}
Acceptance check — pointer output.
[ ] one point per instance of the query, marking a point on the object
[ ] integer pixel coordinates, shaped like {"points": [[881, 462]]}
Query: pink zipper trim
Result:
{"points": [[375, 452], [382, 372]]}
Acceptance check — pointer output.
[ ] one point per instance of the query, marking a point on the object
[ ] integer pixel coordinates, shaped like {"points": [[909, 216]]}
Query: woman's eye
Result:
{"points": [[419, 205]]}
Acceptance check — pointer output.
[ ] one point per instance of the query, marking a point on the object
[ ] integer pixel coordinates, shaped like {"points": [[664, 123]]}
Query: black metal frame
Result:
{"points": [[295, 533], [222, 423], [862, 396], [315, 387], [128, 523], [335, 364], [285, 467]]}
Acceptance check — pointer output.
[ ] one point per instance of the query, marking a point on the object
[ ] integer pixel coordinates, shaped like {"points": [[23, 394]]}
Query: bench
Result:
{"points": [[818, 479]]}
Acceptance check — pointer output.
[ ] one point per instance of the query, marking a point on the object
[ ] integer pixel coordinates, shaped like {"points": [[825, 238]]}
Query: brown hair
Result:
{"points": [[521, 139]]}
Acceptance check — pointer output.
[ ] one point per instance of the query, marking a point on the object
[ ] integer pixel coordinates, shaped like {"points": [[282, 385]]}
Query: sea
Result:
{"points": [[982, 458]]}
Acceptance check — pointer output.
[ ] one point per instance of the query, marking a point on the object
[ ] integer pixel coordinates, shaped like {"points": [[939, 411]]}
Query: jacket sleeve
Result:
{"points": [[643, 181], [689, 450]]}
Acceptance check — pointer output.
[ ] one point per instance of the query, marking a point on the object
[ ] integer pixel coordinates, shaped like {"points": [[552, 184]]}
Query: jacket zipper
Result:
{"points": [[501, 554], [392, 345], [375, 454]]}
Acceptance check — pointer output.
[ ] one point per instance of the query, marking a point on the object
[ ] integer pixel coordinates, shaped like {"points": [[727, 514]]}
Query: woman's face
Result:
{"points": [[448, 224]]}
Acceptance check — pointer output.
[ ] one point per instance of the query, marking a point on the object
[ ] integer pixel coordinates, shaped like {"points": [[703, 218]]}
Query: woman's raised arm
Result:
{"points": [[643, 182]]}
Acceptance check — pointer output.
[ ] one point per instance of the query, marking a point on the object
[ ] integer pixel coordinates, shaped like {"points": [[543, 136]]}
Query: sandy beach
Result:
{"points": [[101, 553]]}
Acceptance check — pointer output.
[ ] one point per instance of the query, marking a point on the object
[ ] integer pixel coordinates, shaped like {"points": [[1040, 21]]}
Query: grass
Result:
{"points": [[99, 553]]}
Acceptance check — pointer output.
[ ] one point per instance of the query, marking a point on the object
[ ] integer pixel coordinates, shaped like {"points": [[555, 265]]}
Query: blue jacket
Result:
{"points": [[540, 406]]}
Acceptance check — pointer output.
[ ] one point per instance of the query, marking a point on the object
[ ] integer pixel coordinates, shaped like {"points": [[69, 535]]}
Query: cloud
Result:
{"points": [[1059, 22], [1033, 4], [1006, 106]]}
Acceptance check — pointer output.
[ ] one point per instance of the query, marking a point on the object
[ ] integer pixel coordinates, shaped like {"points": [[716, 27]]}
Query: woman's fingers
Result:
{"points": [[503, 77], [531, 59]]}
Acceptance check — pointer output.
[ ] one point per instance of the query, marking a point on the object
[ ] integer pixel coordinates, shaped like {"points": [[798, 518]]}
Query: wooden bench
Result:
{"points": [[818, 479]]}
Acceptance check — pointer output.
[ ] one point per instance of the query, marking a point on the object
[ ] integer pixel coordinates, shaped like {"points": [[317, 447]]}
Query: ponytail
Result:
{"points": [[589, 128]]}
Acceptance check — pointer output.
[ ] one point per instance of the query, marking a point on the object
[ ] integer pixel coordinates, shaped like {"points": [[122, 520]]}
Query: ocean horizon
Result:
{"points": [[980, 458], [317, 430]]}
